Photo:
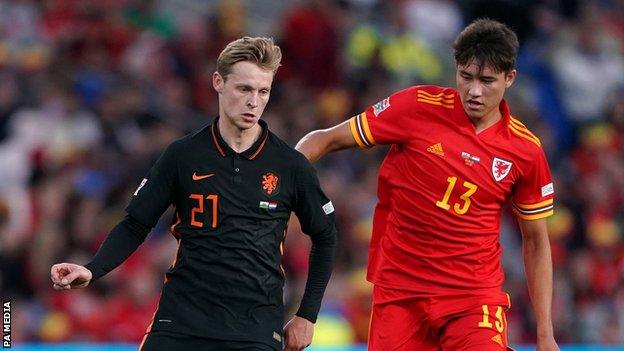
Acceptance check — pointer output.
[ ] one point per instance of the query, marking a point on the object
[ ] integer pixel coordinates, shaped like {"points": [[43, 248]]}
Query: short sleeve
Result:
{"points": [[156, 191], [533, 196], [314, 210], [390, 121]]}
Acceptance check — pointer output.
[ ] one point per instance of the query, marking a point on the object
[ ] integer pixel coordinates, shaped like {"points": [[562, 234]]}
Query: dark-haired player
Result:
{"points": [[457, 157]]}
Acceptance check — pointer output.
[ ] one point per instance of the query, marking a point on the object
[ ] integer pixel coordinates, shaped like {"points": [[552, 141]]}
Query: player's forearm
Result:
{"points": [[120, 243], [314, 145], [538, 267], [318, 143], [319, 271]]}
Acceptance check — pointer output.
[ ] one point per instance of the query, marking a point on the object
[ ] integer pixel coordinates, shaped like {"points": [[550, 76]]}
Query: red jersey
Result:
{"points": [[442, 187]]}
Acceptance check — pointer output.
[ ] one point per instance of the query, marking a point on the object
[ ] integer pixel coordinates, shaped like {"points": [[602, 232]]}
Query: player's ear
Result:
{"points": [[510, 77], [217, 82]]}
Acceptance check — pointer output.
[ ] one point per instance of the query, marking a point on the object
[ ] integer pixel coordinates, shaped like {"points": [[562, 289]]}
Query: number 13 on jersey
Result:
{"points": [[459, 208]]}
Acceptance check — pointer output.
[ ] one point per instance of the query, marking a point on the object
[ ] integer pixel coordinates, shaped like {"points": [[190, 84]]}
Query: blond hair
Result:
{"points": [[258, 50]]}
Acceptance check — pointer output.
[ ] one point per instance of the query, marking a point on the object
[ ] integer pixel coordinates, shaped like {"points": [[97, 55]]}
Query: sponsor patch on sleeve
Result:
{"points": [[381, 106], [328, 208], [548, 189], [140, 186]]}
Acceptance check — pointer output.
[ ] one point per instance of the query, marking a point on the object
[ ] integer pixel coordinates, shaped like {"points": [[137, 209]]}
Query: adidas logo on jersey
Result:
{"points": [[498, 339], [436, 149]]}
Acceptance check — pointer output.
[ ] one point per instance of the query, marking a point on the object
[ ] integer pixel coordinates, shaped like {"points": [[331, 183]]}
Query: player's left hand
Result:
{"points": [[298, 334], [547, 344]]}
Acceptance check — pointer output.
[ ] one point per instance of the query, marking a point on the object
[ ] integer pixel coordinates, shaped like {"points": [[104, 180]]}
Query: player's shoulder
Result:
{"points": [[185, 146], [199, 136], [434, 90], [427, 90], [282, 147], [522, 137], [287, 153], [426, 96]]}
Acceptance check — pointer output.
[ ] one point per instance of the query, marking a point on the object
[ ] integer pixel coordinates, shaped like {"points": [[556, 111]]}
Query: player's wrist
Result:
{"points": [[89, 267], [545, 332], [308, 317], [89, 274]]}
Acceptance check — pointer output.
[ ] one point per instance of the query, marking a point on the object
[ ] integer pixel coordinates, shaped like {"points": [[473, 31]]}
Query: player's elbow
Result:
{"points": [[333, 139], [327, 238], [305, 144], [314, 145]]}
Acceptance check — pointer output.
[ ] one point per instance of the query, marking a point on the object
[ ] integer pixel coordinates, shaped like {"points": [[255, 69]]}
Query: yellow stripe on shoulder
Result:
{"points": [[440, 98], [517, 122], [426, 93], [524, 135], [437, 103], [534, 206], [521, 126], [535, 216]]}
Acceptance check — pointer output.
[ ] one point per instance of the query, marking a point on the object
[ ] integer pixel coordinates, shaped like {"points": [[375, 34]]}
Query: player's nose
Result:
{"points": [[252, 102], [475, 90]]}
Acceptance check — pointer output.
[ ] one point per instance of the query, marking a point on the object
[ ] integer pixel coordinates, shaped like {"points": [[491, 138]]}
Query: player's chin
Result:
{"points": [[247, 122]]}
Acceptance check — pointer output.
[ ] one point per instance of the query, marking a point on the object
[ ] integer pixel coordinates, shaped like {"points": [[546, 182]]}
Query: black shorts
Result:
{"points": [[163, 340]]}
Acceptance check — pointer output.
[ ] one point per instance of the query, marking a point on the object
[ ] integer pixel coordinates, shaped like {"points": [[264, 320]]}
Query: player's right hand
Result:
{"points": [[67, 276], [547, 344]]}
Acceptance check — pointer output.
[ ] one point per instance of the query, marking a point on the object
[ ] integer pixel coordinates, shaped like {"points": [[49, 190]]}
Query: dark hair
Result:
{"points": [[261, 51], [487, 42]]}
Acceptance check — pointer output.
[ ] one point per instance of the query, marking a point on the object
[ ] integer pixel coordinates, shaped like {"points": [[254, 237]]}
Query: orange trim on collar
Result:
{"points": [[266, 136], [215, 140]]}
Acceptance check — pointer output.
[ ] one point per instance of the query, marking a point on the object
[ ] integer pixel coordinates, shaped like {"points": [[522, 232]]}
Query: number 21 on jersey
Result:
{"points": [[460, 207], [199, 209]]}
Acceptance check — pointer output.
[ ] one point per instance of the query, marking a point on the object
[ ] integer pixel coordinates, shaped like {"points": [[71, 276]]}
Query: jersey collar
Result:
{"points": [[492, 130], [501, 125], [252, 152]]}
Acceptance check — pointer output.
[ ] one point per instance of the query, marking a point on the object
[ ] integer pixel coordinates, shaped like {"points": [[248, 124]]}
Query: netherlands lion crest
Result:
{"points": [[270, 183]]}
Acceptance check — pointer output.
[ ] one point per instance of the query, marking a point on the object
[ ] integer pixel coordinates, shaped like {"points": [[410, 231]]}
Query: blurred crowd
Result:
{"points": [[91, 91]]}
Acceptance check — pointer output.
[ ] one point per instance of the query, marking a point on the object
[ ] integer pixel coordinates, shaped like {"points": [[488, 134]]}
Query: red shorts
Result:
{"points": [[402, 320]]}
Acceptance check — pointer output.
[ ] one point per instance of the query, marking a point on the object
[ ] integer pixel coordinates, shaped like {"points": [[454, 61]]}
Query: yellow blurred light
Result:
{"points": [[55, 326], [332, 331]]}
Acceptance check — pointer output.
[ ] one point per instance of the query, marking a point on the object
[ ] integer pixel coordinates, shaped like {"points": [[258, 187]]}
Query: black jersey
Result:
{"points": [[231, 213]]}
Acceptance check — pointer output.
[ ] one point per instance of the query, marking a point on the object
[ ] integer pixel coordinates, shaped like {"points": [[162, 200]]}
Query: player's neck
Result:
{"points": [[485, 122], [238, 139]]}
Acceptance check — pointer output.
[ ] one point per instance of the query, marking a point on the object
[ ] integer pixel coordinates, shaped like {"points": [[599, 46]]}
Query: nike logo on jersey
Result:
{"points": [[200, 177], [436, 149]]}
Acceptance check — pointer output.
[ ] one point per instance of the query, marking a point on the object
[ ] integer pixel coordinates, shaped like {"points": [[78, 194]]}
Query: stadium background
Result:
{"points": [[92, 91]]}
